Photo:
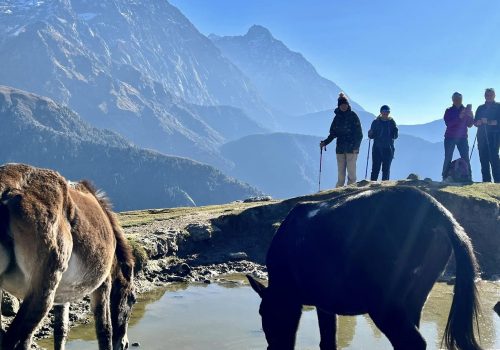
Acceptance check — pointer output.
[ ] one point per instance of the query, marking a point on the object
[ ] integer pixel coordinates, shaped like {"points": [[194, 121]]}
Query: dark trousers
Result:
{"points": [[381, 157], [449, 147], [488, 145]]}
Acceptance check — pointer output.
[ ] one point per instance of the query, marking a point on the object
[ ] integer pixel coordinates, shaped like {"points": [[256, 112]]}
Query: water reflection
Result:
{"points": [[225, 316]]}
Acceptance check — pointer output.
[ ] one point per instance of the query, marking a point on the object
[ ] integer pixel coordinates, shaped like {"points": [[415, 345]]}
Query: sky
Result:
{"points": [[411, 55]]}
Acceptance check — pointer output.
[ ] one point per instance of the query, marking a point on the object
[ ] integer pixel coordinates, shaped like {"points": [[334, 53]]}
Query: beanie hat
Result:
{"points": [[385, 108], [342, 99]]}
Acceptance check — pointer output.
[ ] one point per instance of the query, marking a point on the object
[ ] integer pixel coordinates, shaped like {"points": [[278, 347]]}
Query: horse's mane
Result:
{"points": [[123, 250]]}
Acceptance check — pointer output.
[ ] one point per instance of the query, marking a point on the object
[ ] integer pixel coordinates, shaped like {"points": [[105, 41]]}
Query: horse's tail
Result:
{"points": [[459, 332], [123, 251]]}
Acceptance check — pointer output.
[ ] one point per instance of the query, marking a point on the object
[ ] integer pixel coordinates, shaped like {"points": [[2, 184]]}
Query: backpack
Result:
{"points": [[459, 171]]}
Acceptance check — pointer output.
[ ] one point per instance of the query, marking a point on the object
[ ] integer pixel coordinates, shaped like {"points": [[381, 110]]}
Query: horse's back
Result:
{"points": [[358, 245]]}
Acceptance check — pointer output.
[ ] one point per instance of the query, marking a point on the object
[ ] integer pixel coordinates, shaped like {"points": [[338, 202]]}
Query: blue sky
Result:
{"points": [[411, 55]]}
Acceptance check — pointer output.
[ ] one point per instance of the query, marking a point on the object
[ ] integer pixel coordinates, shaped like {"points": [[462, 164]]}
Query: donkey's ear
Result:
{"points": [[258, 287]]}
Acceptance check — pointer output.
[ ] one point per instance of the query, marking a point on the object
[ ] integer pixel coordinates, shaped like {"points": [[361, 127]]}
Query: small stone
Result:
{"points": [[136, 344], [413, 176], [199, 232]]}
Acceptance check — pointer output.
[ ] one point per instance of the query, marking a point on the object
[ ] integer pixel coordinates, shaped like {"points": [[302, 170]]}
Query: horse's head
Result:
{"points": [[122, 300], [280, 317]]}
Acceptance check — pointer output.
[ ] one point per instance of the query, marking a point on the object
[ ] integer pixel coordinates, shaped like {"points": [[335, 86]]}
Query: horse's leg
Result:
{"points": [[101, 307], [399, 329], [327, 329], [61, 325]]}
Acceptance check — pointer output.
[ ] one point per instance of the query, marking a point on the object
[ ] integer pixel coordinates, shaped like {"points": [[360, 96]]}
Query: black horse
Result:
{"points": [[377, 252]]}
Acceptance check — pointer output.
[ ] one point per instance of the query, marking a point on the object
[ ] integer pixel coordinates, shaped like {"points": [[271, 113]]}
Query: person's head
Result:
{"points": [[489, 95], [385, 110], [457, 99], [343, 102]]}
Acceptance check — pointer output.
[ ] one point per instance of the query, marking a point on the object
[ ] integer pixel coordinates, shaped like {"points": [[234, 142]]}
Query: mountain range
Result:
{"points": [[139, 68], [247, 105], [285, 79], [38, 131]]}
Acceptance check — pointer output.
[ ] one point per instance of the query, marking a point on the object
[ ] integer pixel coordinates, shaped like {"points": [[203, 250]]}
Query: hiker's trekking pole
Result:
{"points": [[320, 164], [368, 157], [473, 145]]}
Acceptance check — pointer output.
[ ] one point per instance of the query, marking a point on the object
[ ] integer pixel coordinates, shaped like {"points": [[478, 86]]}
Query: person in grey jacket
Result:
{"points": [[383, 132]]}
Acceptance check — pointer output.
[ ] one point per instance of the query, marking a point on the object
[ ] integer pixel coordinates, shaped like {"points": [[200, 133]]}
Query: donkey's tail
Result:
{"points": [[459, 332]]}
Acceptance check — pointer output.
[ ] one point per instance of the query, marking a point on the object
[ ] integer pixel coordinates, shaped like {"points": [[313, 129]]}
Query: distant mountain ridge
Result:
{"points": [[139, 68], [284, 78], [37, 131]]}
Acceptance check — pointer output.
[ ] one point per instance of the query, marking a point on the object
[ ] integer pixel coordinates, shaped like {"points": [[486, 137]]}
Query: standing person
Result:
{"points": [[346, 127], [383, 131], [488, 129], [457, 119]]}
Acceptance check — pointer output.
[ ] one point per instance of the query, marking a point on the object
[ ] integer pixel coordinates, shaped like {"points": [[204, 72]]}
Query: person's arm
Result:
{"points": [[395, 130], [446, 117], [477, 118], [333, 133], [449, 119], [470, 119], [358, 132], [371, 132]]}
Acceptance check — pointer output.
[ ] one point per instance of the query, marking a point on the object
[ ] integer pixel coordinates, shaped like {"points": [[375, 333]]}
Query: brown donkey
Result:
{"points": [[59, 242]]}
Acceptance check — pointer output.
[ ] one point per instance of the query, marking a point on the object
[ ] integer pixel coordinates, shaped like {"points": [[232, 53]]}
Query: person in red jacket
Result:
{"points": [[457, 119]]}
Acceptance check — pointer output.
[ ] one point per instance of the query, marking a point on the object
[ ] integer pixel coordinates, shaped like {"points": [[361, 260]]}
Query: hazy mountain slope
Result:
{"points": [[37, 131], [432, 132], [135, 67], [285, 79], [318, 123]]}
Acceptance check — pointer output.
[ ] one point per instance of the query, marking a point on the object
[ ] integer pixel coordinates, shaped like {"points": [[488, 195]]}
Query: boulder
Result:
{"points": [[10, 305]]}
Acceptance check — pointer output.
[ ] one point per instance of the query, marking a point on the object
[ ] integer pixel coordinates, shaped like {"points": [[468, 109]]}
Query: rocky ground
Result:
{"points": [[201, 244]]}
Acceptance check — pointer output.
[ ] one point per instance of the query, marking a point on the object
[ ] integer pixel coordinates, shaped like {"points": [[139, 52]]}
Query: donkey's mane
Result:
{"points": [[123, 250]]}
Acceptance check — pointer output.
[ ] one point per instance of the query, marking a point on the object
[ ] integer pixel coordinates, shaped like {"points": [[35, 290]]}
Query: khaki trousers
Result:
{"points": [[346, 162]]}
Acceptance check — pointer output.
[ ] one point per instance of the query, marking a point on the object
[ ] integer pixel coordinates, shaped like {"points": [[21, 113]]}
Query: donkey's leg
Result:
{"points": [[34, 308], [101, 307], [61, 325], [327, 329], [399, 329]]}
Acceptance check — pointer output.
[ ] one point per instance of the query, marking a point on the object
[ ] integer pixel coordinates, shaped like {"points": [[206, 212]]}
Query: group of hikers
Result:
{"points": [[346, 128]]}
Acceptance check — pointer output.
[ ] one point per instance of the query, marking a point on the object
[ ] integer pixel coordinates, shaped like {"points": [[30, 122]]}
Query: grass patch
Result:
{"points": [[140, 255], [144, 217], [486, 191]]}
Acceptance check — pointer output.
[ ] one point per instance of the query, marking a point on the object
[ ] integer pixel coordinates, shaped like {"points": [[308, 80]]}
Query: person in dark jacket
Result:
{"points": [[346, 128], [383, 131], [488, 136], [457, 119]]}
